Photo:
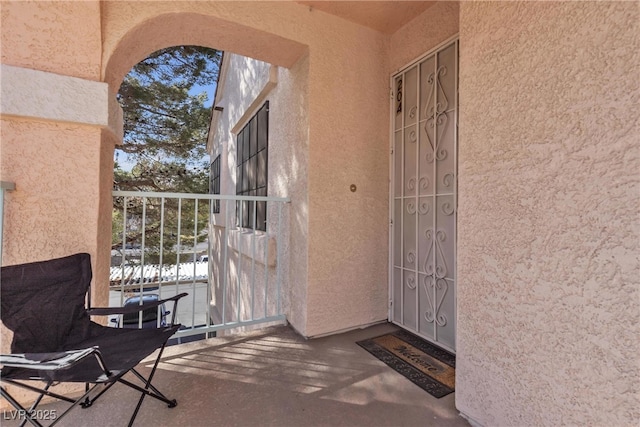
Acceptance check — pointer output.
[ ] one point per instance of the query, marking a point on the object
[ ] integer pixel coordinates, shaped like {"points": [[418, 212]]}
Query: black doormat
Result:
{"points": [[427, 366]]}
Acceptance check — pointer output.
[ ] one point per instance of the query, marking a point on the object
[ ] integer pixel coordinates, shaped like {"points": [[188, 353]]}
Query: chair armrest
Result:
{"points": [[47, 361], [107, 311]]}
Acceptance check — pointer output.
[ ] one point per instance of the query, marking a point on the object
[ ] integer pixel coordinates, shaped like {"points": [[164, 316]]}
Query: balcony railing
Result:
{"points": [[168, 243]]}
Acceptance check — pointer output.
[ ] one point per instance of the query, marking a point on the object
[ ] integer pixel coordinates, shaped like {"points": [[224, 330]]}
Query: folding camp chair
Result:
{"points": [[54, 339]]}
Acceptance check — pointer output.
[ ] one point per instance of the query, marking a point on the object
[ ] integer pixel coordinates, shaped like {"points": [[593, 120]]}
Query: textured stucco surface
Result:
{"points": [[246, 84], [346, 281], [288, 177], [54, 210], [135, 29], [548, 214], [548, 176], [42, 95], [348, 140], [53, 108], [243, 83], [61, 37], [434, 26]]}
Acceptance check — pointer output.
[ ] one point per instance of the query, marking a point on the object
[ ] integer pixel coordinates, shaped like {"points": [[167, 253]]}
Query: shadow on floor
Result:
{"points": [[274, 377]]}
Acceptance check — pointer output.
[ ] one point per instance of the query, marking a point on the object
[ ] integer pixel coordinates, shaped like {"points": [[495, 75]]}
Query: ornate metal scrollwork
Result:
{"points": [[411, 257], [434, 304], [437, 151], [424, 208], [411, 282], [448, 209], [411, 184], [436, 114], [424, 183], [447, 180], [443, 103], [425, 187], [435, 266]]}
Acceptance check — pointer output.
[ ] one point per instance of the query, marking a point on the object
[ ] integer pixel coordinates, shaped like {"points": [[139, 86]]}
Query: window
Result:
{"points": [[214, 183], [251, 176]]}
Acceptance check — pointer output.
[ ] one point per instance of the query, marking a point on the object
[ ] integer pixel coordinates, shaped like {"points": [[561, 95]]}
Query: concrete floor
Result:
{"points": [[273, 377]]}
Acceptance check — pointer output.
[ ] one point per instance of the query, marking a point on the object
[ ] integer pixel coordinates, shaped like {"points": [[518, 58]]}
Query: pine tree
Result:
{"points": [[165, 133]]}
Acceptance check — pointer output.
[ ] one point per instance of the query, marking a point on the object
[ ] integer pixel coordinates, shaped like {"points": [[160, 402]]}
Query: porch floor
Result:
{"points": [[274, 377]]}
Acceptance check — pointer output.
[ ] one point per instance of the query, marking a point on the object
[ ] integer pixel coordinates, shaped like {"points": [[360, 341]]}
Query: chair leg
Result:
{"points": [[73, 405], [157, 394], [144, 380], [90, 401], [87, 402], [36, 403], [41, 392], [21, 410]]}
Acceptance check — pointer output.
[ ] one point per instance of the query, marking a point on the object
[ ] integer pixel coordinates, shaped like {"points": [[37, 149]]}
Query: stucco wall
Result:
{"points": [[53, 112], [51, 127], [548, 213], [61, 37], [54, 210], [244, 87], [548, 185], [136, 29], [348, 144], [289, 150], [42, 216], [53, 109], [346, 283], [437, 24]]}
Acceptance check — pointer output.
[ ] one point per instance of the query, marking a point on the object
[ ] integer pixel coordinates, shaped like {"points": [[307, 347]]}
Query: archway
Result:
{"points": [[174, 29]]}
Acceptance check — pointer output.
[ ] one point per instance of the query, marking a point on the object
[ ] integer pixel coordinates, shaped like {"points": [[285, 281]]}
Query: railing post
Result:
{"points": [[241, 238]]}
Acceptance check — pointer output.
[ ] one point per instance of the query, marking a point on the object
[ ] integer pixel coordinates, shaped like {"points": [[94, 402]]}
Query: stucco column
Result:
{"points": [[57, 148]]}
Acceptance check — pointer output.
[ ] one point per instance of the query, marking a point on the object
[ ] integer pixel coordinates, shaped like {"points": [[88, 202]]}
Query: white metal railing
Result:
{"points": [[160, 244], [4, 187]]}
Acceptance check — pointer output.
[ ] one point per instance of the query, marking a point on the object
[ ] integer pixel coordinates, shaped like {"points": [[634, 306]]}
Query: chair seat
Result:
{"points": [[121, 349], [54, 340]]}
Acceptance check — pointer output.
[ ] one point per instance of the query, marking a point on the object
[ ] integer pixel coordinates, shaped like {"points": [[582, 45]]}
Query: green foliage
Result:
{"points": [[165, 133], [165, 127]]}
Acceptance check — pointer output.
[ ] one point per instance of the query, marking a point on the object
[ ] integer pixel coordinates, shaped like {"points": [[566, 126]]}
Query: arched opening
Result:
{"points": [[175, 29], [158, 242], [334, 129], [192, 29]]}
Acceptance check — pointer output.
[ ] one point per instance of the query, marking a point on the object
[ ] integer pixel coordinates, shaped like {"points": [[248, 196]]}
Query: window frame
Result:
{"points": [[214, 183], [252, 169]]}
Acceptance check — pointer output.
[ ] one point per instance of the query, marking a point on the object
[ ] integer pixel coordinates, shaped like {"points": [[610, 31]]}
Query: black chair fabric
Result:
{"points": [[44, 304]]}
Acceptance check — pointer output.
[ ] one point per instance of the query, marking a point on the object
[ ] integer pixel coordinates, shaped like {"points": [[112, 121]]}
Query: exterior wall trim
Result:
{"points": [[257, 103], [53, 97], [218, 100]]}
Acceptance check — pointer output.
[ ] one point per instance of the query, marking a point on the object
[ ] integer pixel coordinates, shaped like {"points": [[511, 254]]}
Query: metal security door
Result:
{"points": [[423, 197]]}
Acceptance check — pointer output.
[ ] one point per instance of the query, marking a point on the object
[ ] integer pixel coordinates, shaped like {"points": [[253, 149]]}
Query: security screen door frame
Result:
{"points": [[423, 196]]}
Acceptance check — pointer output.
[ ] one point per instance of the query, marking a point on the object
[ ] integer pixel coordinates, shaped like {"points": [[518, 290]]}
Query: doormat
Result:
{"points": [[427, 366]]}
